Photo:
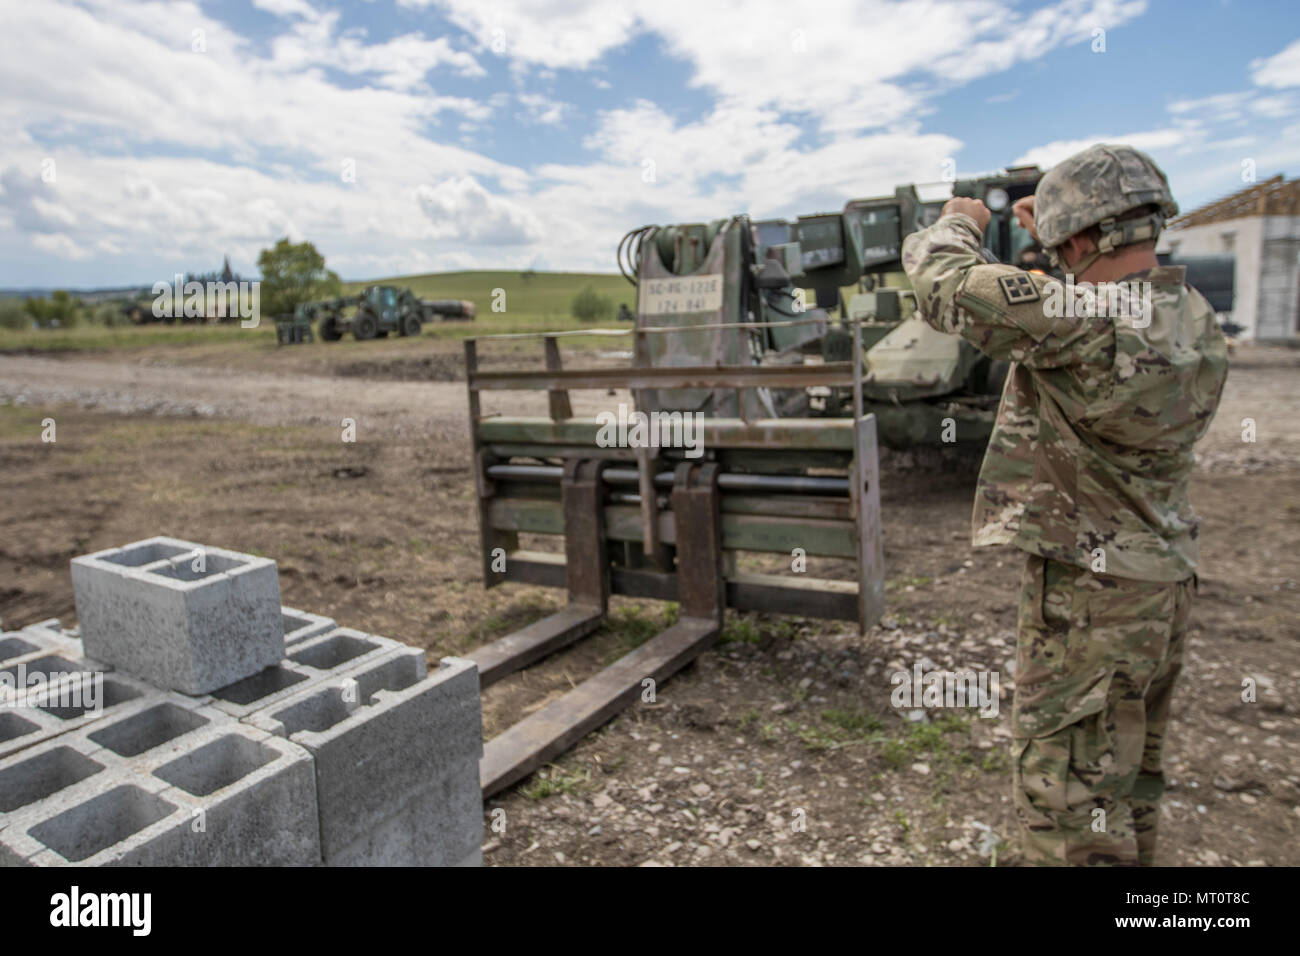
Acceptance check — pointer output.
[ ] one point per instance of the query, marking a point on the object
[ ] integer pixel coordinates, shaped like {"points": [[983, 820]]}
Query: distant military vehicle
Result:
{"points": [[380, 309], [295, 329]]}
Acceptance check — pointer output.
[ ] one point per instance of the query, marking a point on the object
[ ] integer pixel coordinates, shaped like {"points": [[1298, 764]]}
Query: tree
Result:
{"points": [[13, 315], [293, 274], [589, 305], [59, 310]]}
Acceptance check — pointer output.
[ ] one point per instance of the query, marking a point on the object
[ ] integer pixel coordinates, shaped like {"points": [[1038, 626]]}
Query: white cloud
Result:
{"points": [[570, 34], [461, 208], [849, 63], [542, 109], [401, 63], [60, 245], [1280, 69], [286, 8]]}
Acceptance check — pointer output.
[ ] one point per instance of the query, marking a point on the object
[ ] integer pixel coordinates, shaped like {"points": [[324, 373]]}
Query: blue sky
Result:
{"points": [[427, 135]]}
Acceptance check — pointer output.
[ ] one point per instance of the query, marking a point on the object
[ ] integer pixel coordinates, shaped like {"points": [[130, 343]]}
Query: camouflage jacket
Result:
{"points": [[1091, 451]]}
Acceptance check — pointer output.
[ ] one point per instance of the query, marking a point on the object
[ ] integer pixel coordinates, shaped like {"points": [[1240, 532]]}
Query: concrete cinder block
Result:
{"points": [[66, 705], [385, 738], [40, 655], [309, 663], [441, 825], [256, 796], [300, 625], [180, 615], [125, 718], [222, 795], [49, 634]]}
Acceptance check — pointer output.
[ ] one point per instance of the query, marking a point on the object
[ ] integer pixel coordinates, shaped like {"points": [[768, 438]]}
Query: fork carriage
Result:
{"points": [[652, 522]]}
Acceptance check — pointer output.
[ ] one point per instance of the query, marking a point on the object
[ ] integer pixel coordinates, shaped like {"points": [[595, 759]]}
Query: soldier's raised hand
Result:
{"points": [[1024, 212], [969, 207]]}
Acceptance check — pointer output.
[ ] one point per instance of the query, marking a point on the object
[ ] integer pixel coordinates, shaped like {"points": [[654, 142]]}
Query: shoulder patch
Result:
{"points": [[1004, 295], [1018, 288]]}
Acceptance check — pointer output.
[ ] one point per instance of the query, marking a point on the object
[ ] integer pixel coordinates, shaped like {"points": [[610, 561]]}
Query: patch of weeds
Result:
{"points": [[857, 722], [895, 754], [817, 738], [996, 761], [896, 584], [499, 624], [785, 630], [740, 630], [554, 781], [633, 626], [927, 739], [841, 728], [768, 733]]}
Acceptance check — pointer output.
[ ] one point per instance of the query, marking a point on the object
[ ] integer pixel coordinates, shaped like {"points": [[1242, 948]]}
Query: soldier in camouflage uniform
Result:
{"points": [[1087, 471]]}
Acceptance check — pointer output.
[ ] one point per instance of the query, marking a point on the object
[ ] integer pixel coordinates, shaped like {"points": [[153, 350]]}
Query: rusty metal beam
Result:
{"points": [[559, 399], [523, 647], [536, 739], [776, 594], [773, 434], [686, 376]]}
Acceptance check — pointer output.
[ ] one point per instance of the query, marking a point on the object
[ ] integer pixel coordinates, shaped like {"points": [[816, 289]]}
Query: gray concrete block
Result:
{"points": [[13, 644], [256, 795], [180, 615], [309, 663], [65, 705], [300, 625], [381, 735], [441, 825], [49, 634], [223, 795]]}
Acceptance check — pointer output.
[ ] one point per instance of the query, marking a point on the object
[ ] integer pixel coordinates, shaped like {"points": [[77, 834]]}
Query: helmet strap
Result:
{"points": [[1113, 235]]}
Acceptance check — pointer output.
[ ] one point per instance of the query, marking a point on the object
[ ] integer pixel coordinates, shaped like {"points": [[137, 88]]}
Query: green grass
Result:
{"points": [[554, 781], [103, 338], [632, 626], [740, 630]]}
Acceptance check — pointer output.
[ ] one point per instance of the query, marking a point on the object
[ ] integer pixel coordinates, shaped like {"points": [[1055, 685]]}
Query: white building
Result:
{"points": [[1260, 227]]}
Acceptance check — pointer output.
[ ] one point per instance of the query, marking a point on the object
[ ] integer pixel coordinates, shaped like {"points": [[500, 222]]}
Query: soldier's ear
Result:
{"points": [[1075, 248]]}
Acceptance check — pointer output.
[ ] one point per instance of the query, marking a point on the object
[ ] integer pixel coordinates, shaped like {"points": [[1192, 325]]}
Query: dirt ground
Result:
{"points": [[779, 745]]}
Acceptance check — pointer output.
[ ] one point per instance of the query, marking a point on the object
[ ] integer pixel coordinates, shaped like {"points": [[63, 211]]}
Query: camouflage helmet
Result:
{"points": [[1092, 188]]}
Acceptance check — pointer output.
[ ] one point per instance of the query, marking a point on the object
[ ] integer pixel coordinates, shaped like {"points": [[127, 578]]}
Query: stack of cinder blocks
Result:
{"points": [[195, 721]]}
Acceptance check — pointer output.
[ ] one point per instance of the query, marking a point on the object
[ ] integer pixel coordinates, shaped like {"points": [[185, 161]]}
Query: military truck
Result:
{"points": [[750, 281], [380, 309], [295, 328]]}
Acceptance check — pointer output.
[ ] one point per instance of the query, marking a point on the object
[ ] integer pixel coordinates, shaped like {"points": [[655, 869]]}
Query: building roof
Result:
{"points": [[1272, 197]]}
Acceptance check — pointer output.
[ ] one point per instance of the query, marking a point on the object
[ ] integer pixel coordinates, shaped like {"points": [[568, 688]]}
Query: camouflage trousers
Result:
{"points": [[1096, 662]]}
